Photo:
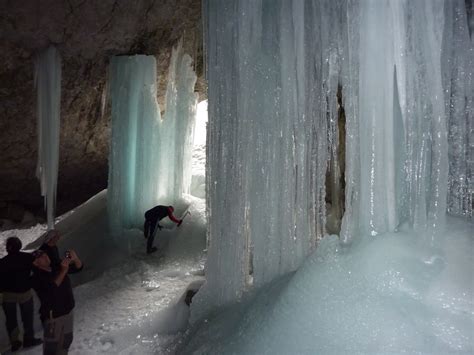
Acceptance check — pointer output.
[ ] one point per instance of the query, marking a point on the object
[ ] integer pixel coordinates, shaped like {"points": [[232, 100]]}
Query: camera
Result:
{"points": [[67, 254]]}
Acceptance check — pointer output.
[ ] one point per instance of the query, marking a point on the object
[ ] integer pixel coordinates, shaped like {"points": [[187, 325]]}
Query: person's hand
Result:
{"points": [[65, 264], [179, 223], [73, 255]]}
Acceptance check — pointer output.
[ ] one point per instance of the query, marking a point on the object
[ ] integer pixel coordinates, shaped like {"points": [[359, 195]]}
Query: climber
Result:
{"points": [[152, 218]]}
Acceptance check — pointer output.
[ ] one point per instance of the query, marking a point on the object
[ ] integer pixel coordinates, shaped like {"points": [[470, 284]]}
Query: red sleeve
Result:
{"points": [[173, 218]]}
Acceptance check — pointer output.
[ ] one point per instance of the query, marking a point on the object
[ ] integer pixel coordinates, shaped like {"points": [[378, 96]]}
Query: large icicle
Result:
{"points": [[134, 150], [48, 86]]}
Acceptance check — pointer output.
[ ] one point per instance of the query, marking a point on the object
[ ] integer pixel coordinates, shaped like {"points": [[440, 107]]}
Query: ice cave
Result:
{"points": [[318, 153]]}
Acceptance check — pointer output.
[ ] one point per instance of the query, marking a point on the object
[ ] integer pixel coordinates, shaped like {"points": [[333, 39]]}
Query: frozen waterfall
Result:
{"points": [[150, 157], [273, 69], [48, 88]]}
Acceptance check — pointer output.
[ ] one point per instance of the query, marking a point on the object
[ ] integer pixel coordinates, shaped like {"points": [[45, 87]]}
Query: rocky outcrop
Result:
{"points": [[87, 34]]}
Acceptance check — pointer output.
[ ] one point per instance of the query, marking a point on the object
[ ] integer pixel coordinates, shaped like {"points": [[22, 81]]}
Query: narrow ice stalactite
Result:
{"points": [[48, 86], [177, 134], [134, 150]]}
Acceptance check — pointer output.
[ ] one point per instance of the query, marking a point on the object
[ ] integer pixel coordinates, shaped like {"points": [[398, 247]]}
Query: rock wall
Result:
{"points": [[86, 33]]}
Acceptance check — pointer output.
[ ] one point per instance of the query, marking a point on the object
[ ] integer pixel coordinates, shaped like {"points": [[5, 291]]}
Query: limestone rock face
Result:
{"points": [[87, 33]]}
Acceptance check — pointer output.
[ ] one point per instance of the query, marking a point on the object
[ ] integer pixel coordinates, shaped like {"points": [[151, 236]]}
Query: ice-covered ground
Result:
{"points": [[393, 294]]}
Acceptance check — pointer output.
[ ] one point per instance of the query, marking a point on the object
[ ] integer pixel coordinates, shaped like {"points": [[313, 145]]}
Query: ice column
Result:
{"points": [[273, 77], [424, 115], [135, 148], [458, 82], [48, 86], [396, 117], [350, 87], [381, 132], [177, 135]]}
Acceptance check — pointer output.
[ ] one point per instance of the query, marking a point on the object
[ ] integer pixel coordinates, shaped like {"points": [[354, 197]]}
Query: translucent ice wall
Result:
{"points": [[135, 147], [178, 127], [48, 88], [273, 72]]}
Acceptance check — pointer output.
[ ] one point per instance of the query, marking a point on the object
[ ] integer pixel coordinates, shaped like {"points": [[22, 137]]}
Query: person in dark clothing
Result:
{"points": [[152, 218], [15, 284], [50, 246], [54, 290]]}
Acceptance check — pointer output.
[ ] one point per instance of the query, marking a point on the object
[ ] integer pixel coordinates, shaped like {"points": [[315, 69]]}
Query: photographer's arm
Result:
{"points": [[58, 280], [77, 263]]}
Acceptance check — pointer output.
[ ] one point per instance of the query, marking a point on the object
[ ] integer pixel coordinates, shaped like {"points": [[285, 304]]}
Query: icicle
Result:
{"points": [[48, 86]]}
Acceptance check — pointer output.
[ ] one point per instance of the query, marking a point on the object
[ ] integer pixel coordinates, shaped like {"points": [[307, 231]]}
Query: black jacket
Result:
{"points": [[55, 300], [15, 272], [156, 213]]}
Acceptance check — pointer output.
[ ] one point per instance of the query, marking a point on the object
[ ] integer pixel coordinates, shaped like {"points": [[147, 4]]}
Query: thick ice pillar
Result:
{"points": [[273, 77], [458, 82], [178, 128], [48, 87], [424, 115], [150, 158], [135, 148], [381, 132]]}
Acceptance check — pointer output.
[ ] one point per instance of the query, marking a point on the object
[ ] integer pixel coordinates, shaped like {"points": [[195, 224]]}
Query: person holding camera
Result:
{"points": [[53, 287], [15, 283], [50, 246]]}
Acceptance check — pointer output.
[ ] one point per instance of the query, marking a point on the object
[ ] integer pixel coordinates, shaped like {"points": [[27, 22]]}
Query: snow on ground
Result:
{"points": [[127, 302]]}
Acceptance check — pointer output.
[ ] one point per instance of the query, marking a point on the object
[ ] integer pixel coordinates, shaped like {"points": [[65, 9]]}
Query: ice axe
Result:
{"points": [[182, 218]]}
